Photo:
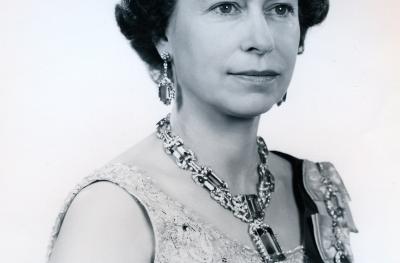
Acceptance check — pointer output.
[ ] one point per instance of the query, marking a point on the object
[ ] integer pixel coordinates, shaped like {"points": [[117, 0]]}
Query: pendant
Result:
{"points": [[166, 92], [265, 241]]}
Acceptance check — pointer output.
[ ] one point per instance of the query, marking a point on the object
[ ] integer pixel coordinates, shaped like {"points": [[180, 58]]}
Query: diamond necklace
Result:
{"points": [[249, 208]]}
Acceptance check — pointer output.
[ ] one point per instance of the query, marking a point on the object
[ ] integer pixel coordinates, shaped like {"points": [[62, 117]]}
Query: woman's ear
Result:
{"points": [[164, 43], [163, 46]]}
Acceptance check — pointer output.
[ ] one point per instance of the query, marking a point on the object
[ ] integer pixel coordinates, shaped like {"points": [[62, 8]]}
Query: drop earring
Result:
{"points": [[279, 103], [300, 50], [166, 90]]}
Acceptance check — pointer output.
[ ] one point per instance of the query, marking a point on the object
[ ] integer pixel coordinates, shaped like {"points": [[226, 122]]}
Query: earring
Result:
{"points": [[300, 50], [166, 90], [282, 100]]}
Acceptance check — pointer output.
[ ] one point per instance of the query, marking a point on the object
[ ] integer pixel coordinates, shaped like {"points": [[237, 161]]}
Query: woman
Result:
{"points": [[204, 187]]}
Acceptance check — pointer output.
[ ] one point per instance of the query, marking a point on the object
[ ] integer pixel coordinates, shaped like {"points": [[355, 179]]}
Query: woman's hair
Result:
{"points": [[143, 23]]}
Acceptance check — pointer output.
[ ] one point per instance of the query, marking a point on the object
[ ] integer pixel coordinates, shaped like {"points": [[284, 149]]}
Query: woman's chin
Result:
{"points": [[250, 110]]}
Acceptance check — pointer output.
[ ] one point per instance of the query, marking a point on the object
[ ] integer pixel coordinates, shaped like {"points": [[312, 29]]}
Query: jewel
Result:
{"points": [[259, 231], [261, 141], [267, 182], [261, 169], [263, 158], [198, 178], [209, 186], [214, 180], [255, 209], [340, 257], [165, 91], [344, 259]]}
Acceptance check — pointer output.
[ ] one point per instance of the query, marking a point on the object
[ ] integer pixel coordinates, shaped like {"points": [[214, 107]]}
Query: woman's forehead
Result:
{"points": [[208, 2]]}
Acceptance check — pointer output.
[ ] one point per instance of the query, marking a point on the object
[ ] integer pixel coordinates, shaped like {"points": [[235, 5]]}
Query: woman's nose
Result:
{"points": [[258, 38]]}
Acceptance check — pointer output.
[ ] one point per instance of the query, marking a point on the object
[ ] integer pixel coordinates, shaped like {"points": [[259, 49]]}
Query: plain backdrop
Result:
{"points": [[73, 95]]}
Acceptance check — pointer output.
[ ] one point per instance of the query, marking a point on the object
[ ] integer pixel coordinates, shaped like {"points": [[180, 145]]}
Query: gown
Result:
{"points": [[181, 235]]}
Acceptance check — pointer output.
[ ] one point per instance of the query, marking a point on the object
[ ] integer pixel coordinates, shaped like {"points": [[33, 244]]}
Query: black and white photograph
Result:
{"points": [[199, 131]]}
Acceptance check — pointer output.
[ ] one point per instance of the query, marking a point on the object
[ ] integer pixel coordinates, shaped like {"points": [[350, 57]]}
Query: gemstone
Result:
{"points": [[269, 241], [340, 257], [198, 178], [255, 208], [344, 259], [164, 91], [263, 158], [213, 179], [209, 186]]}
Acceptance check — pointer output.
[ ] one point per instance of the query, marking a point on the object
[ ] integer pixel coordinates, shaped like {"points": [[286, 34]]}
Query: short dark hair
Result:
{"points": [[143, 23]]}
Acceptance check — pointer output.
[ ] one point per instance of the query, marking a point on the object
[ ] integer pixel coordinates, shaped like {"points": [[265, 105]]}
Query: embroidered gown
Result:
{"points": [[183, 236]]}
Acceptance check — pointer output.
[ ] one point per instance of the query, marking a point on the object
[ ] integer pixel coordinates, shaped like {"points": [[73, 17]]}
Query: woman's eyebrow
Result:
{"points": [[207, 1], [202, 2]]}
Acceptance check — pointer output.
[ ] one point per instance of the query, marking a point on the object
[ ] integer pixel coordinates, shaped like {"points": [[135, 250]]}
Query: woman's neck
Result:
{"points": [[226, 144]]}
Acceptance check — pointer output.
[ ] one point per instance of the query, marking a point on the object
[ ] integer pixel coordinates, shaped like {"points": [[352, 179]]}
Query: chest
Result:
{"points": [[201, 232], [282, 214]]}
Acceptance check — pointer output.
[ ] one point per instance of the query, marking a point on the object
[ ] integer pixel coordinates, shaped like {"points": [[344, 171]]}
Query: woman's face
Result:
{"points": [[236, 57]]}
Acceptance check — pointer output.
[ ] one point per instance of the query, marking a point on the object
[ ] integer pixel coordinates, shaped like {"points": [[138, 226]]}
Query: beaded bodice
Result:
{"points": [[181, 235]]}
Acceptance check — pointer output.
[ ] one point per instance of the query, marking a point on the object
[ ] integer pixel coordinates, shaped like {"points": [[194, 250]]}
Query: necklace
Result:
{"points": [[249, 208]]}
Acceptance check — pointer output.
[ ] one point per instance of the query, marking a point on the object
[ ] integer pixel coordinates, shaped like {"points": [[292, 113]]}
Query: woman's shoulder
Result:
{"points": [[329, 210], [315, 175], [326, 188], [318, 177], [321, 180], [97, 207]]}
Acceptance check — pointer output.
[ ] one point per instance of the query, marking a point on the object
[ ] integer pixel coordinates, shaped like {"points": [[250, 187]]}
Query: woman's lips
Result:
{"points": [[258, 77]]}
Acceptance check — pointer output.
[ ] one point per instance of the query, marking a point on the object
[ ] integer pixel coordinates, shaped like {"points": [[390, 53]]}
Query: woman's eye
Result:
{"points": [[226, 9], [283, 10]]}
